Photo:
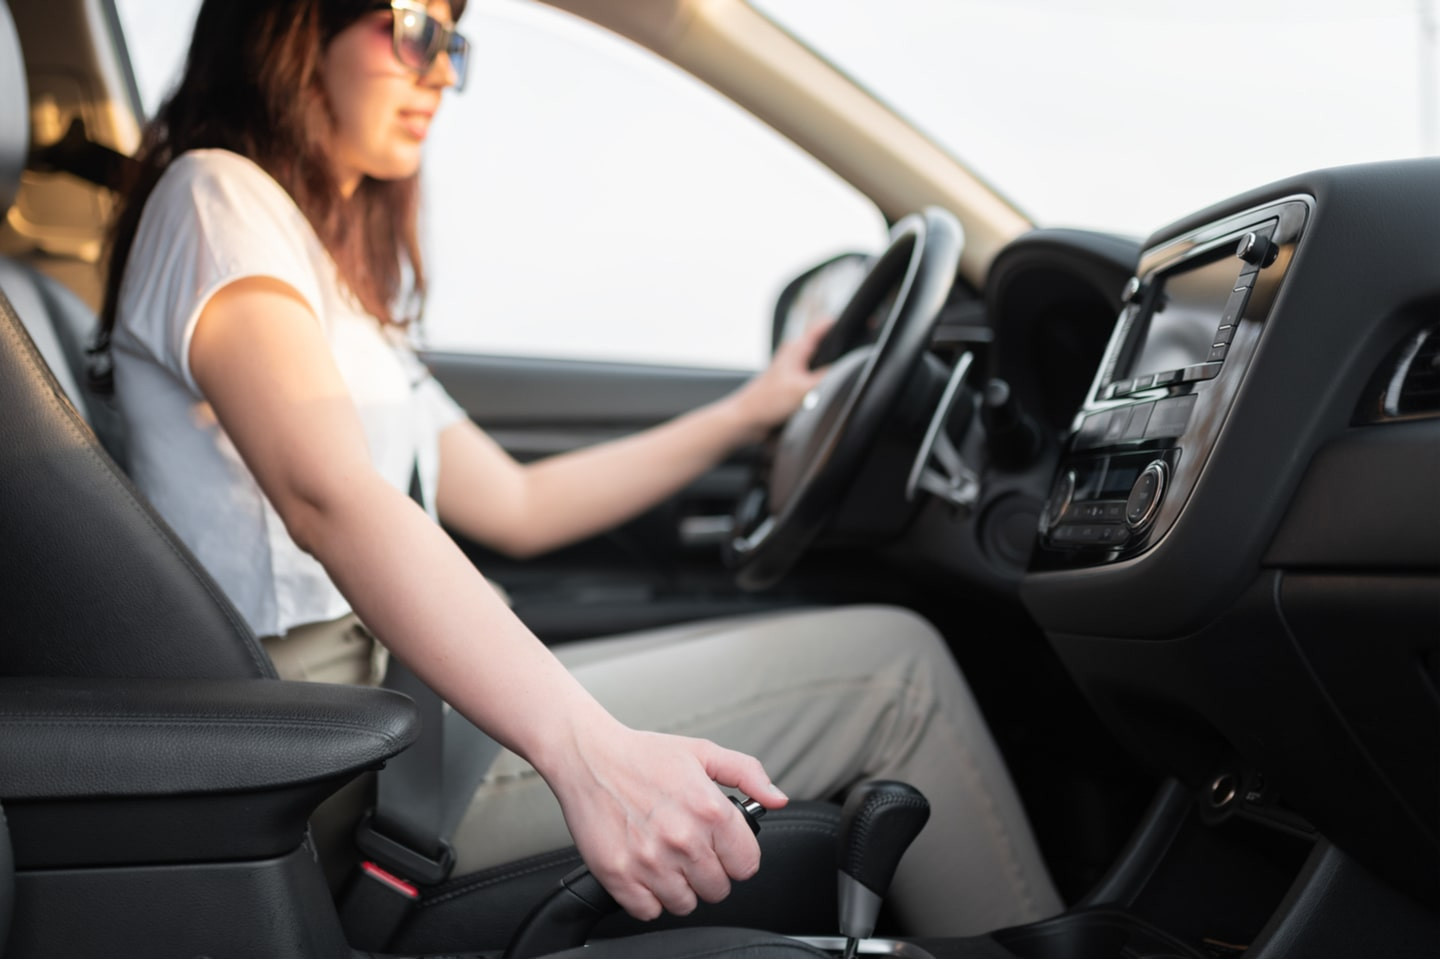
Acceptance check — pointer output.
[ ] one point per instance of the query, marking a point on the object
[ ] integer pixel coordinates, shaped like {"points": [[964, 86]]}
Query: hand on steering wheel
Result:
{"points": [[776, 393], [823, 443]]}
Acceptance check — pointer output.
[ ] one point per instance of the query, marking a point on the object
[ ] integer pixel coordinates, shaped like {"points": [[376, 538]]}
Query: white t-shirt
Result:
{"points": [[213, 218]]}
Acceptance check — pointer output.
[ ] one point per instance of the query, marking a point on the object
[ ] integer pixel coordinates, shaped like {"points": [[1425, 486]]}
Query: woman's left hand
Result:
{"points": [[775, 393]]}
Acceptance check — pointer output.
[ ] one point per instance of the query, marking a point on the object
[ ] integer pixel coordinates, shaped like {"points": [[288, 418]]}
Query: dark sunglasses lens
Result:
{"points": [[417, 39], [459, 52]]}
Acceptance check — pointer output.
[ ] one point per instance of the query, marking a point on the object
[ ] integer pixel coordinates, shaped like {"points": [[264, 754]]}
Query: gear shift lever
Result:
{"points": [[877, 825]]}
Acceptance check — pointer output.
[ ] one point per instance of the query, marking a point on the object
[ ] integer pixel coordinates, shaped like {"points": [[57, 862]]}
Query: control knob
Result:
{"points": [[1146, 494], [1060, 496], [1257, 249]]}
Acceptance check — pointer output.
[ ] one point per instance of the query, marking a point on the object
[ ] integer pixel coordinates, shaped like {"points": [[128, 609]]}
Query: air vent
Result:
{"points": [[1415, 386]]}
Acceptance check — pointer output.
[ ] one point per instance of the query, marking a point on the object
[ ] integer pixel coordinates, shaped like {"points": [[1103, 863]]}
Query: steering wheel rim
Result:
{"points": [[821, 445]]}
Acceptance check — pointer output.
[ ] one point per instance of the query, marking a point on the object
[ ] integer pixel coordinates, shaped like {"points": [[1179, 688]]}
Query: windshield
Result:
{"points": [[1126, 114]]}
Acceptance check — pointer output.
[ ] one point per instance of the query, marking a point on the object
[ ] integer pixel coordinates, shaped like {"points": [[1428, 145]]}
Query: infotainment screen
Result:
{"points": [[1185, 312]]}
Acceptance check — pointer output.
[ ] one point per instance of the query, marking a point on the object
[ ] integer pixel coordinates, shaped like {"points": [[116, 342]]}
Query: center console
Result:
{"points": [[1193, 317]]}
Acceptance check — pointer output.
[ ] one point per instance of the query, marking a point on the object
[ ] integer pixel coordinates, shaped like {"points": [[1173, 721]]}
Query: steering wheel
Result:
{"points": [[823, 443]]}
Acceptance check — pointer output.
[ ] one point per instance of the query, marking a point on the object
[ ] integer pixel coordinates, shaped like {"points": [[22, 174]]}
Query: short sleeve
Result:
{"points": [[213, 218], [436, 407], [440, 407]]}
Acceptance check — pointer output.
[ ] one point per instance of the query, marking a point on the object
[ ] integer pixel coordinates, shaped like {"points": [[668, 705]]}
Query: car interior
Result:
{"points": [[1172, 502]]}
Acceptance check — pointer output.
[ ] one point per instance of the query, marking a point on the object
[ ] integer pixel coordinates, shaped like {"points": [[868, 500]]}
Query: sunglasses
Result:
{"points": [[419, 38]]}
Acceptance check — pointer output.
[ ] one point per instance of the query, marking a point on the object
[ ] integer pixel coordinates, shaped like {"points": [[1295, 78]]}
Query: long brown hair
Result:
{"points": [[252, 86]]}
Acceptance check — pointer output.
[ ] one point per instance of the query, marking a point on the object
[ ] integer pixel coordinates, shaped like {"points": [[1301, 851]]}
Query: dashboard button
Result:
{"points": [[1170, 418], [1121, 388], [1224, 333], [1142, 383], [1139, 417], [1218, 351], [1113, 533], [1166, 378], [1092, 430], [1146, 494], [1115, 429], [1065, 534], [1090, 533], [1202, 371], [1234, 307]]}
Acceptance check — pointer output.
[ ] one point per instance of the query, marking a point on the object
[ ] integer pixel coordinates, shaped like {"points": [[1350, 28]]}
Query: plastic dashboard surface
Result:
{"points": [[1279, 624], [1351, 289]]}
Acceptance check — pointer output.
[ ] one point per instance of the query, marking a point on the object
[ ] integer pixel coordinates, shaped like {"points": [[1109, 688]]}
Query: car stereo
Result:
{"points": [[1178, 323], [1191, 318]]}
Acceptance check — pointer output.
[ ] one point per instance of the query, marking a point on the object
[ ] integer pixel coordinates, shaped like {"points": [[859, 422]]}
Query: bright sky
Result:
{"points": [[1126, 114], [585, 200]]}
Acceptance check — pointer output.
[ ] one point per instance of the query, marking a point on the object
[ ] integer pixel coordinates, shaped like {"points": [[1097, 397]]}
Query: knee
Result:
{"points": [[903, 631], [901, 639]]}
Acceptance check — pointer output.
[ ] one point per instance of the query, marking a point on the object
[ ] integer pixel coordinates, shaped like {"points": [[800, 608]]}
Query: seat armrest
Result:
{"points": [[134, 738], [121, 771]]}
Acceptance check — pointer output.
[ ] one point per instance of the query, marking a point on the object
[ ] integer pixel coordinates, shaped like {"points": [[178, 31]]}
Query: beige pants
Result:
{"points": [[825, 698]]}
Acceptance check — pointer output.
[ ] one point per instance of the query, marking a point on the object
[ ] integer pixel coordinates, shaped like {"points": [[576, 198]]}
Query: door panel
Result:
{"points": [[663, 567], [519, 391]]}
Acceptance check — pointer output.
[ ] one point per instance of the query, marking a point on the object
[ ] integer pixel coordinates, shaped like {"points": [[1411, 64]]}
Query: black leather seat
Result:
{"points": [[101, 601]]}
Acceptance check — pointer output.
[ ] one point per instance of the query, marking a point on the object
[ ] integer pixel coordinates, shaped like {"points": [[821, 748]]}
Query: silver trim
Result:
{"points": [[744, 545], [1162, 474], [870, 947], [702, 531], [1391, 407], [859, 906], [1223, 790], [1055, 512], [953, 482]]}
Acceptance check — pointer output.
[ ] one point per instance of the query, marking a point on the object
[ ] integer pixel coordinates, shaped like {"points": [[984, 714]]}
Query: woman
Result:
{"points": [[260, 275]]}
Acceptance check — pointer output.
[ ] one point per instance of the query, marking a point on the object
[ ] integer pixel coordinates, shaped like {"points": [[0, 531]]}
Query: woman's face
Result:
{"points": [[382, 108]]}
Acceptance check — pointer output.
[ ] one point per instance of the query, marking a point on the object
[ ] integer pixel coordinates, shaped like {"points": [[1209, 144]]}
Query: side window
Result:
{"points": [[157, 37], [583, 199]]}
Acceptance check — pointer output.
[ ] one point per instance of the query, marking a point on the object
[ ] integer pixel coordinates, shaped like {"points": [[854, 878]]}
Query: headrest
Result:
{"points": [[14, 111]]}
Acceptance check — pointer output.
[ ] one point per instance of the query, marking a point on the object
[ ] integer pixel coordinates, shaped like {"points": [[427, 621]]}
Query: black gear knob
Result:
{"points": [[877, 825]]}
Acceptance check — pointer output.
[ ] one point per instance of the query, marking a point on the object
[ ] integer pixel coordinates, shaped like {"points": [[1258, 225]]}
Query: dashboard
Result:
{"points": [[1182, 344], [1238, 555]]}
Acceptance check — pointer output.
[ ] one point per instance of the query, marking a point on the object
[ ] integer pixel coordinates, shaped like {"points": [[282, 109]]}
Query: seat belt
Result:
{"points": [[421, 795]]}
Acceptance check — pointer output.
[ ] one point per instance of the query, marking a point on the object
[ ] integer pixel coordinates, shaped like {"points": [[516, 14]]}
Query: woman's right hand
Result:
{"points": [[650, 820]]}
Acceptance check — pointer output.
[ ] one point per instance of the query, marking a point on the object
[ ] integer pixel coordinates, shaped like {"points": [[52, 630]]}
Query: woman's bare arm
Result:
{"points": [[642, 807], [524, 510]]}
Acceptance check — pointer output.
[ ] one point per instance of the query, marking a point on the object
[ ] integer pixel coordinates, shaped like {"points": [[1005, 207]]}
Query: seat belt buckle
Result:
{"points": [[400, 860], [375, 907]]}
